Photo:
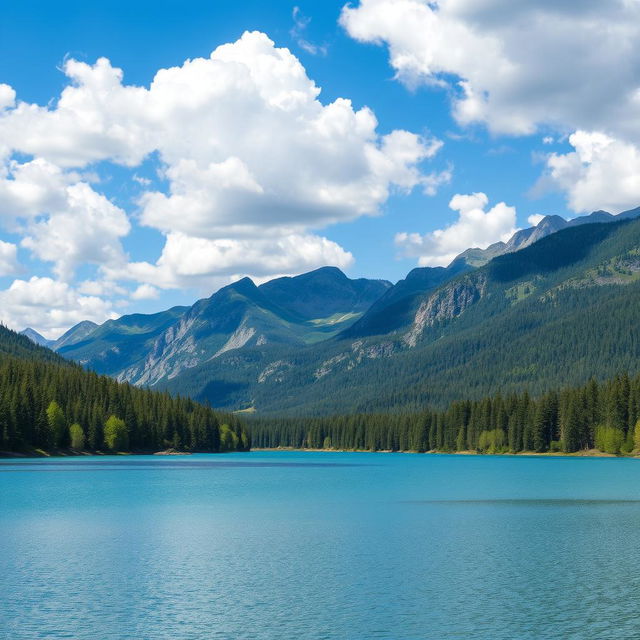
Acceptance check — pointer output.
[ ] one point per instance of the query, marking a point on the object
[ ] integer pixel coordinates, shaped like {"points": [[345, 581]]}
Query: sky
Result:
{"points": [[152, 152]]}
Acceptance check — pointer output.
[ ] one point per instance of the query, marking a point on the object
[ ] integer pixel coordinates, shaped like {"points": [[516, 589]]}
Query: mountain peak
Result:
{"points": [[36, 337], [328, 270], [323, 292], [74, 335], [245, 286]]}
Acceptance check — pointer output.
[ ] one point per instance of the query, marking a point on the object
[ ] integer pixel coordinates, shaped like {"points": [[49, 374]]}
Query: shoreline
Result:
{"points": [[70, 453], [585, 453]]}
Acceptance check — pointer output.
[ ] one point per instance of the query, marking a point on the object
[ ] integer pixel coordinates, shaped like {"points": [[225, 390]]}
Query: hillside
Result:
{"points": [[47, 403], [556, 304], [603, 416], [22, 345], [557, 312], [145, 349]]}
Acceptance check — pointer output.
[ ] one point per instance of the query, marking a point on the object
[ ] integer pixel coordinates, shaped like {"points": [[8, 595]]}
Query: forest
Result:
{"points": [[48, 404], [597, 415]]}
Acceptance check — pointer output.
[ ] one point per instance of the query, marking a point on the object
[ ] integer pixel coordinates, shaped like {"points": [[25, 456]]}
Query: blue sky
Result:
{"points": [[496, 119]]}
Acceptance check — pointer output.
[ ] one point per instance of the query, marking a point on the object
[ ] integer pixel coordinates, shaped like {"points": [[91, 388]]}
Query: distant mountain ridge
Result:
{"points": [[145, 349], [546, 226], [37, 338], [401, 301], [323, 342]]}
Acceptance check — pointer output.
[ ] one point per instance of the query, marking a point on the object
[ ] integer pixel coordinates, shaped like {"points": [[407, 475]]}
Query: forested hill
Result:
{"points": [[20, 346], [559, 311], [50, 404], [605, 416]]}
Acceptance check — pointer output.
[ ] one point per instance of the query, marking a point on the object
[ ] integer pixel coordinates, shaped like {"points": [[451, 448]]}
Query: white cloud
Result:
{"points": [[297, 32], [96, 118], [87, 229], [247, 148], [145, 292], [516, 65], [49, 306], [535, 219], [8, 259], [30, 189], [247, 121], [474, 227], [103, 287], [7, 96], [206, 263], [601, 173], [63, 219]]}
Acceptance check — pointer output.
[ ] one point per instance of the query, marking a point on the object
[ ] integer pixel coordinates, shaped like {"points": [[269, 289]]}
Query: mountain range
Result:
{"points": [[556, 304]]}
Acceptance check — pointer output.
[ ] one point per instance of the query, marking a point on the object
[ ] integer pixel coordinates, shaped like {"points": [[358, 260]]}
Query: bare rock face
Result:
{"points": [[238, 339], [275, 371], [446, 304]]}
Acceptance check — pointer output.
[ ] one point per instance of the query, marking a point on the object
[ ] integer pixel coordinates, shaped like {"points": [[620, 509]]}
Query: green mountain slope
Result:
{"points": [[557, 312], [49, 403], [20, 345], [115, 344], [324, 293], [397, 306], [76, 334], [36, 337], [145, 349]]}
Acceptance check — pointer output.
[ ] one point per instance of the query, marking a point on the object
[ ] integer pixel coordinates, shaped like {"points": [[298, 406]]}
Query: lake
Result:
{"points": [[279, 545]]}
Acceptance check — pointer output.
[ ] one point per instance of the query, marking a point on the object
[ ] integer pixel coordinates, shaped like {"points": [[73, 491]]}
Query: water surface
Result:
{"points": [[278, 545]]}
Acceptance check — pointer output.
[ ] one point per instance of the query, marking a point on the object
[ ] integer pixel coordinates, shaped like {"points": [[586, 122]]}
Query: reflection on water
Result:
{"points": [[122, 464]]}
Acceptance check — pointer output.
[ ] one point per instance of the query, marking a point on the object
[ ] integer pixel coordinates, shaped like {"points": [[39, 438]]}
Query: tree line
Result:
{"points": [[44, 405], [602, 415]]}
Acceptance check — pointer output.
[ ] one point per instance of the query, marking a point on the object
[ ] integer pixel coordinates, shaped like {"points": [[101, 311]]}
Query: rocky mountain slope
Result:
{"points": [[556, 312], [322, 343], [145, 349]]}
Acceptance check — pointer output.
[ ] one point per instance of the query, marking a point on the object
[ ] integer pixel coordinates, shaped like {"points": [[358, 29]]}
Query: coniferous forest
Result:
{"points": [[47, 403], [604, 416]]}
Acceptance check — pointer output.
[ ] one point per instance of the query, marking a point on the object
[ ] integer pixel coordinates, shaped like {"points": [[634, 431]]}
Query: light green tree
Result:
{"points": [[609, 439], [491, 441], [228, 439], [57, 425], [116, 434], [636, 436], [76, 435]]}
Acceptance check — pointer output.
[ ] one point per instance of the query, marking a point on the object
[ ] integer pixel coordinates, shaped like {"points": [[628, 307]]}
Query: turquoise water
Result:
{"points": [[285, 545]]}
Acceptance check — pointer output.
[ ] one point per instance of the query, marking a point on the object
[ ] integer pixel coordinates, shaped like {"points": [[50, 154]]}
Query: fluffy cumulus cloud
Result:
{"points": [[535, 219], [87, 229], [475, 227], [186, 260], [517, 67], [63, 219], [50, 306], [242, 135], [145, 292], [8, 259], [253, 161], [601, 173]]}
